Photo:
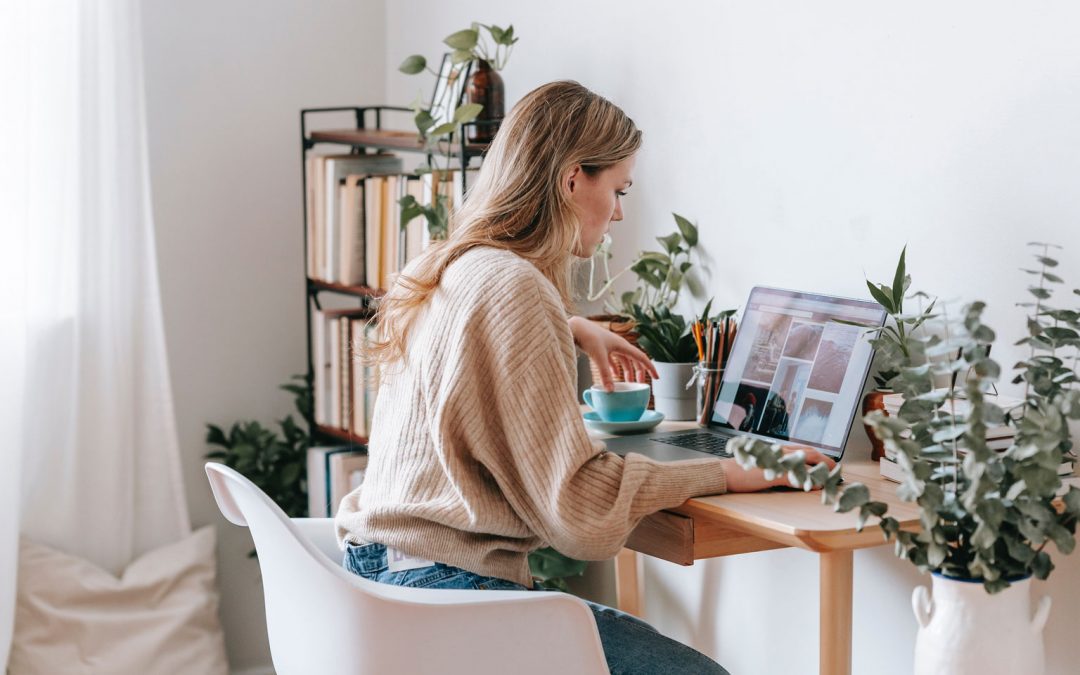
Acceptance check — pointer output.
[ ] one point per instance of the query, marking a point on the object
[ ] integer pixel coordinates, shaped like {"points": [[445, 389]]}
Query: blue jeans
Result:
{"points": [[631, 646]]}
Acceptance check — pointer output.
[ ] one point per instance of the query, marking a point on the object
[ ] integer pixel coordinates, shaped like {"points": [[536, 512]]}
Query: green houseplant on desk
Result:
{"points": [[987, 516], [644, 315]]}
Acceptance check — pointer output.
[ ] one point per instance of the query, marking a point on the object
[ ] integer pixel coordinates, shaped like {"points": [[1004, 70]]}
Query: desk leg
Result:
{"points": [[628, 582], [836, 582]]}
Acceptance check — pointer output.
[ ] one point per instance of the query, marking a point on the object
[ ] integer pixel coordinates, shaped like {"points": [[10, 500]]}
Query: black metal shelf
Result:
{"points": [[318, 285], [366, 135]]}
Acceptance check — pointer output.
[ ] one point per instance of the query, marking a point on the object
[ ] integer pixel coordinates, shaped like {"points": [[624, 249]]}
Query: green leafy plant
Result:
{"points": [[467, 46], [667, 337], [661, 275], [664, 336], [985, 514], [552, 568], [273, 461], [892, 342]]}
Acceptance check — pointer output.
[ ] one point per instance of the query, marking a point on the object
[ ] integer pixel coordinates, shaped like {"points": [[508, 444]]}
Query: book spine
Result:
{"points": [[345, 374], [373, 230], [359, 399], [320, 363], [334, 329]]}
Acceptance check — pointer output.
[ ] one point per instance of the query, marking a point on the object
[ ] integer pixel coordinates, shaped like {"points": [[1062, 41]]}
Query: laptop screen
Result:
{"points": [[794, 374]]}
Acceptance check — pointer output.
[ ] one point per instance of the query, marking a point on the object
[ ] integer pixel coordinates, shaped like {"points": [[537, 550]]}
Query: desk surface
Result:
{"points": [[741, 523], [730, 524]]}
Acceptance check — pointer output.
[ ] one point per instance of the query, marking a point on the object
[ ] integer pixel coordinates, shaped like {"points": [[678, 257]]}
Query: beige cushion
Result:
{"points": [[159, 617]]}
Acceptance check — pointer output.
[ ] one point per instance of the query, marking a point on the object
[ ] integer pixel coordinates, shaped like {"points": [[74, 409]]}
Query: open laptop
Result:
{"points": [[793, 375]]}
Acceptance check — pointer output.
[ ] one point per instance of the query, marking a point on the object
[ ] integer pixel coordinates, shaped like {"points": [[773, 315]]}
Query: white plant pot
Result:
{"points": [[670, 395], [963, 630]]}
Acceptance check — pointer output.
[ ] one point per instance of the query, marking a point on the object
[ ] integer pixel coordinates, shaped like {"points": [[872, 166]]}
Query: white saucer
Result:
{"points": [[649, 419]]}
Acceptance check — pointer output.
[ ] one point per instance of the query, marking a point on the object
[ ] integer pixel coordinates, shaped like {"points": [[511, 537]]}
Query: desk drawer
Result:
{"points": [[665, 535], [679, 539]]}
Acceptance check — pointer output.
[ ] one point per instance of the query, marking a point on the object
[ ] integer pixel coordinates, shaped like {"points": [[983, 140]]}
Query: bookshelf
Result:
{"points": [[366, 136]]}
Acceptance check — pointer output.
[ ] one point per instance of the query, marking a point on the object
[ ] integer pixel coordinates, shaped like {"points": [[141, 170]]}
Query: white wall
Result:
{"points": [[225, 83], [812, 141]]}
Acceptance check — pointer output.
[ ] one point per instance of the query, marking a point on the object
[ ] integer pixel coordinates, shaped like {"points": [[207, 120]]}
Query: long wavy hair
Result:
{"points": [[519, 201]]}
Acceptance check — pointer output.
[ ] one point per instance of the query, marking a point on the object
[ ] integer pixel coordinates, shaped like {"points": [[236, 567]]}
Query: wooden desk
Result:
{"points": [[709, 527]]}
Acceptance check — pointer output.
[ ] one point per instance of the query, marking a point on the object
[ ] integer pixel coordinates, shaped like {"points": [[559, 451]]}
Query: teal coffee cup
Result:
{"points": [[626, 403]]}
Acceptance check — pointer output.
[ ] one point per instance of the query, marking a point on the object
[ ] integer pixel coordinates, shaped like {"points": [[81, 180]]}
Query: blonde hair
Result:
{"points": [[519, 201]]}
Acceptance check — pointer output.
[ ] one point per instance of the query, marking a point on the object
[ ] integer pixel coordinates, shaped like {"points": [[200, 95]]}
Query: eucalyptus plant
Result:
{"points": [[660, 274], [984, 514], [467, 46]]}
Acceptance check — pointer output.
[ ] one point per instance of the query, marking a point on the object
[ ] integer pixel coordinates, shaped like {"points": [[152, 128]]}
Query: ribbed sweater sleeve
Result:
{"points": [[509, 397]]}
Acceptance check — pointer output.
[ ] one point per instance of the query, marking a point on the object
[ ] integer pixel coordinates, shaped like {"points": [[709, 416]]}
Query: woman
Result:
{"points": [[479, 454]]}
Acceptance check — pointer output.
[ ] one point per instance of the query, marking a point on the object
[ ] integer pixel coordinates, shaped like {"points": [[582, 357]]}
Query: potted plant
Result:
{"points": [[438, 123], [987, 516], [661, 276], [891, 342], [276, 464], [666, 338]]}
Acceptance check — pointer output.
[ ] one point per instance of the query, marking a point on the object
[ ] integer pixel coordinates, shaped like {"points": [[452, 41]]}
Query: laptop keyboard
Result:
{"points": [[701, 441]]}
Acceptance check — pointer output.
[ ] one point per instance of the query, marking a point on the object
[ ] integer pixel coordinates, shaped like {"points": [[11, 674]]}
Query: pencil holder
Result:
{"points": [[708, 387]]}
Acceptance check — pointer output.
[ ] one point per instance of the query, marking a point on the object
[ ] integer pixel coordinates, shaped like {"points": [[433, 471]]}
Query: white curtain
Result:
{"points": [[90, 461]]}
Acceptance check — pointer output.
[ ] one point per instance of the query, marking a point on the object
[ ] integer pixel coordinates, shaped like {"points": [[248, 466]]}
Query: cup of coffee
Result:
{"points": [[626, 403]]}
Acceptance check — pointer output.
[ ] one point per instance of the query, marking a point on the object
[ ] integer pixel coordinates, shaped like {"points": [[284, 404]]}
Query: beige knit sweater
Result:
{"points": [[478, 453]]}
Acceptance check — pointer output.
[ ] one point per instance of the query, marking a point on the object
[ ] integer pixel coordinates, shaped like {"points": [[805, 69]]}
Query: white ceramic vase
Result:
{"points": [[963, 630], [670, 395]]}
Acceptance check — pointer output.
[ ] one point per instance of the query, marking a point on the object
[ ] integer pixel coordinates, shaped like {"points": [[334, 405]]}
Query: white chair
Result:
{"points": [[323, 619]]}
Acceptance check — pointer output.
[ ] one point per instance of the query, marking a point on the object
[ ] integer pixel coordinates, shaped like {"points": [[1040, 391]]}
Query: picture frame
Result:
{"points": [[449, 89]]}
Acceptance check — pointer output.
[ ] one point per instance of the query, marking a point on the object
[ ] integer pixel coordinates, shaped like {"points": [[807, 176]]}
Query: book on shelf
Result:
{"points": [[332, 472], [414, 232], [325, 176], [371, 378], [356, 237], [339, 384], [352, 253], [372, 234]]}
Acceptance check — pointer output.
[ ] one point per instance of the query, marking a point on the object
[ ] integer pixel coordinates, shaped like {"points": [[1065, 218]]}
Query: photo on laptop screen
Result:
{"points": [[795, 374]]}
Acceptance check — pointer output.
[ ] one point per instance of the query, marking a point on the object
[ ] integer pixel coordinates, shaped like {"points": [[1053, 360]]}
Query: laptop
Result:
{"points": [[793, 375]]}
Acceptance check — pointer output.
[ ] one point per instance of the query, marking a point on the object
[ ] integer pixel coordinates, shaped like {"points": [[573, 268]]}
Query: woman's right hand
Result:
{"points": [[752, 480]]}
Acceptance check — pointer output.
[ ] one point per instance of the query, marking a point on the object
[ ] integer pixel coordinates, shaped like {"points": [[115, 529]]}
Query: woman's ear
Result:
{"points": [[571, 177]]}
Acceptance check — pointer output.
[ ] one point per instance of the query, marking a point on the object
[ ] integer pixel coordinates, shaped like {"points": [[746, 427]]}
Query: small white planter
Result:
{"points": [[670, 395], [963, 630]]}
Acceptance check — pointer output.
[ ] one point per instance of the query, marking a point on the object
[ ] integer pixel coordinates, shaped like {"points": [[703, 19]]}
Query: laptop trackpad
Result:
{"points": [[655, 449]]}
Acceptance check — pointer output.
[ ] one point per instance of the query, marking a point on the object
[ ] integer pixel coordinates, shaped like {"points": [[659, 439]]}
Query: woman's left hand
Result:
{"points": [[607, 349]]}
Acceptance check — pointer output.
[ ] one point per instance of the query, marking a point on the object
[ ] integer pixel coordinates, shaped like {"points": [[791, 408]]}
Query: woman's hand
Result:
{"points": [[752, 480], [607, 349]]}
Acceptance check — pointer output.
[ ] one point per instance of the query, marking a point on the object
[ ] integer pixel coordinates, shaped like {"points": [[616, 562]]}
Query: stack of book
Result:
{"points": [[998, 437], [335, 234], [344, 388], [332, 473], [355, 235]]}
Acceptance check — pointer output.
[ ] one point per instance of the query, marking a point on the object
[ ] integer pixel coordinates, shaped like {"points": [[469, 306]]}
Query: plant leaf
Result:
{"points": [[898, 283], [462, 40], [879, 296], [688, 230], [467, 112], [413, 65]]}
